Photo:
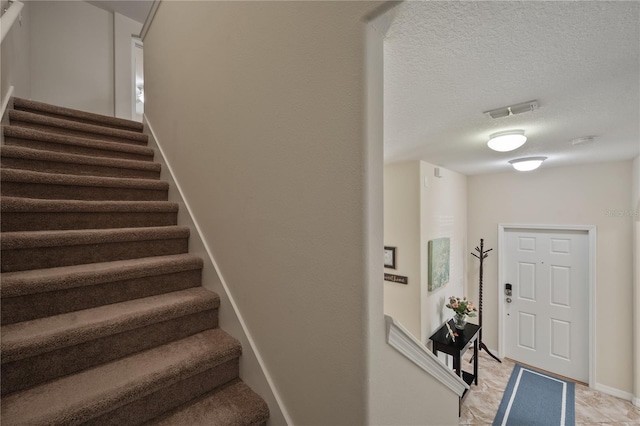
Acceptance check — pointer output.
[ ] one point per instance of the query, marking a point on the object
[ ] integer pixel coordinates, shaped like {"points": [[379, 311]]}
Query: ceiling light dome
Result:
{"points": [[507, 141], [527, 164]]}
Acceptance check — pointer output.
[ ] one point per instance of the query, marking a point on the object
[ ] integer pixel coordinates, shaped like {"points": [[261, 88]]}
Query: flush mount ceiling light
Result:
{"points": [[507, 141], [527, 164]]}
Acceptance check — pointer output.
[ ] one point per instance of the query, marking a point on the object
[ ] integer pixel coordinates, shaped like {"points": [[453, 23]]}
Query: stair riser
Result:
{"points": [[77, 119], [72, 192], [40, 305], [218, 407], [32, 371], [45, 221], [74, 149], [52, 257], [76, 133], [76, 169], [171, 397]]}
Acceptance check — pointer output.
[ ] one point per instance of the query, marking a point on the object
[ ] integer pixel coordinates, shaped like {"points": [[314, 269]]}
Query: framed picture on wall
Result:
{"points": [[390, 257], [439, 251]]}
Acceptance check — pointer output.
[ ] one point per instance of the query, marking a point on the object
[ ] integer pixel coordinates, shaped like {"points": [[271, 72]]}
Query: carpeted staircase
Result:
{"points": [[104, 320]]}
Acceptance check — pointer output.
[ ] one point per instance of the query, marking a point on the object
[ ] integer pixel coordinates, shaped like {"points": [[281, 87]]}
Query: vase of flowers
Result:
{"points": [[463, 309]]}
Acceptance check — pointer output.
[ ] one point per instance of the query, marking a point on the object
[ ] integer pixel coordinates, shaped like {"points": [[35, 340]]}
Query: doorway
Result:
{"points": [[138, 79], [546, 276]]}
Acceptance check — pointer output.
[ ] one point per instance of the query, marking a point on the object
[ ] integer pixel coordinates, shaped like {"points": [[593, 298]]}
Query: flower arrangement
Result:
{"points": [[462, 306]]}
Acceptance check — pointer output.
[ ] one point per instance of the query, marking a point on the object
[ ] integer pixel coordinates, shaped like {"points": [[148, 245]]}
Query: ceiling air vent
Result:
{"points": [[512, 110], [583, 140]]}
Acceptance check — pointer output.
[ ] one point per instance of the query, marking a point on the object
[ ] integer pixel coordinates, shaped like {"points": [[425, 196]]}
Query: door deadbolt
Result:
{"points": [[507, 290]]}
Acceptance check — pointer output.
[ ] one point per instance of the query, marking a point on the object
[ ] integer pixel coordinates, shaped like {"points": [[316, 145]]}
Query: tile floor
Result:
{"points": [[592, 407]]}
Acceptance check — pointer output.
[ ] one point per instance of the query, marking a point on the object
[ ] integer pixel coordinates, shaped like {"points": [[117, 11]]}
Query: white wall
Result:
{"points": [[15, 56], [268, 147], [71, 55], [402, 230], [274, 158], [416, 213], [635, 205], [399, 392], [124, 29], [575, 195], [443, 214], [79, 56]]}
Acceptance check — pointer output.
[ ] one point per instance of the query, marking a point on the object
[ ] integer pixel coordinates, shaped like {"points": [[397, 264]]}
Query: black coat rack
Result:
{"points": [[482, 255]]}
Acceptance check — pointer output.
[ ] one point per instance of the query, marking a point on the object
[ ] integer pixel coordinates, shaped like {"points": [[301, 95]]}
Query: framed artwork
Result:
{"points": [[439, 252], [390, 257]]}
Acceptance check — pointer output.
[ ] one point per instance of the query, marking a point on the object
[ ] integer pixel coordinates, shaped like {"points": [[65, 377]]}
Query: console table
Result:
{"points": [[464, 340]]}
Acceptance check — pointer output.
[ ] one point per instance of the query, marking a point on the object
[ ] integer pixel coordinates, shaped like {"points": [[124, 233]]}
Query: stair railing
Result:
{"points": [[402, 340], [9, 17]]}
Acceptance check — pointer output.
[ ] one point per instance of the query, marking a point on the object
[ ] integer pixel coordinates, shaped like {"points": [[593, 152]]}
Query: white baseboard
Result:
{"points": [[636, 401], [627, 396], [495, 352]]}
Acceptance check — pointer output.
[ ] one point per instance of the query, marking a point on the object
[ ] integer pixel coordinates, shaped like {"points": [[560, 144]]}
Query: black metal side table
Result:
{"points": [[456, 349]]}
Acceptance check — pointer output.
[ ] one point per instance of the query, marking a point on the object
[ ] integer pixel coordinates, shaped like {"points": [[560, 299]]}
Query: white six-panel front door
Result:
{"points": [[546, 322]]}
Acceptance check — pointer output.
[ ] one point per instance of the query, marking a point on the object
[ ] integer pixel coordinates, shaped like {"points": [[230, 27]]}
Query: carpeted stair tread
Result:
{"points": [[82, 396], [71, 114], [34, 214], [42, 160], [104, 148], [30, 184], [29, 338], [28, 119], [17, 204], [233, 405], [21, 283], [28, 176], [24, 250], [39, 293], [30, 239]]}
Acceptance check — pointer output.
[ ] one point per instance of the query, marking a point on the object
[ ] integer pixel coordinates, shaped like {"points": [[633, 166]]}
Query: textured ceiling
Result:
{"points": [[447, 62]]}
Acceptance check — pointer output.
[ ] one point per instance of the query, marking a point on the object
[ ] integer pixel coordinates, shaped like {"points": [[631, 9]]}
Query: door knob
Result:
{"points": [[508, 299]]}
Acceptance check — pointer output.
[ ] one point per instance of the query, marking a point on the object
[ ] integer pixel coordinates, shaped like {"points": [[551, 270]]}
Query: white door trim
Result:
{"points": [[591, 230]]}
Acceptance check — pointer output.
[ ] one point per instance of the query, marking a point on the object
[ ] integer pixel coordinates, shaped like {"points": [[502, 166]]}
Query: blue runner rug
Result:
{"points": [[533, 398]]}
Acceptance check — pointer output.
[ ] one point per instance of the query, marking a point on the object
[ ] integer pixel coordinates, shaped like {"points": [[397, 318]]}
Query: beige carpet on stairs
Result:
{"points": [[104, 318]]}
